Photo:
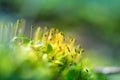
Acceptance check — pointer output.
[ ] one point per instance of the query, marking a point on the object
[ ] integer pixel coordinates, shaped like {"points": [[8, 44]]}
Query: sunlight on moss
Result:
{"points": [[45, 55]]}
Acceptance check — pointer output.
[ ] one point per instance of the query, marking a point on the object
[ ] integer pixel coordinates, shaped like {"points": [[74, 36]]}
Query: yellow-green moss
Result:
{"points": [[45, 55]]}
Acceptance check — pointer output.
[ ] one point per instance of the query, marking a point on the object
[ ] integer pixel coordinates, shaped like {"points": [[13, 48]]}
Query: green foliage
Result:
{"points": [[49, 48], [101, 76], [48, 55]]}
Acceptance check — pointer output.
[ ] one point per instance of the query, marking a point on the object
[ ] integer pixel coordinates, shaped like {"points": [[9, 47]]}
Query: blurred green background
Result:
{"points": [[94, 23]]}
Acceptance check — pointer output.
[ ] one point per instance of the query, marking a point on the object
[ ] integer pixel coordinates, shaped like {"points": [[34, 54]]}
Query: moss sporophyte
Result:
{"points": [[44, 55]]}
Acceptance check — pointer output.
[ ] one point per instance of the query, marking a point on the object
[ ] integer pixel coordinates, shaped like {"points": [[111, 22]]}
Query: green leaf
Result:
{"points": [[49, 48], [26, 41], [72, 75]]}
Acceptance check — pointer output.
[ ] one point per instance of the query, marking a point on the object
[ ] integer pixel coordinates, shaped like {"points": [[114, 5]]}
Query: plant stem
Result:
{"points": [[107, 70]]}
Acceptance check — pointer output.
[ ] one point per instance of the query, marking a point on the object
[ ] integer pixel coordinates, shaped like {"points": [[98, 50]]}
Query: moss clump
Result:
{"points": [[48, 55]]}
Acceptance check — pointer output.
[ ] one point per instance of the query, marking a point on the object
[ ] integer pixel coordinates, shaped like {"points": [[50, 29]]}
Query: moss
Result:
{"points": [[48, 55]]}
